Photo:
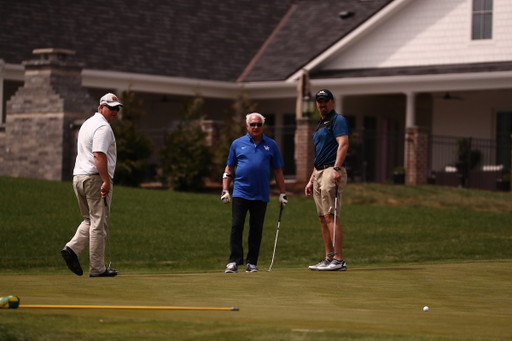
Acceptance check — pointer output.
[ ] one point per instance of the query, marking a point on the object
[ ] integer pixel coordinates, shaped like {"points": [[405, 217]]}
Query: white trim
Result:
{"points": [[285, 89], [354, 36], [14, 72], [157, 84], [418, 83]]}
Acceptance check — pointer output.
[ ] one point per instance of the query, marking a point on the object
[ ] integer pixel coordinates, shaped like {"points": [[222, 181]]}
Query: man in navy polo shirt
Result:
{"points": [[331, 145], [253, 155]]}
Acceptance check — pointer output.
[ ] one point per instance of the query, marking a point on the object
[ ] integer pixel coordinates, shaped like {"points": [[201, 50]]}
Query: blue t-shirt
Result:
{"points": [[253, 163], [324, 138]]}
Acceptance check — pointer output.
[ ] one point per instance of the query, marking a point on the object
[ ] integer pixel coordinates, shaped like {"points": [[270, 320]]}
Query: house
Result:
{"points": [[408, 74]]}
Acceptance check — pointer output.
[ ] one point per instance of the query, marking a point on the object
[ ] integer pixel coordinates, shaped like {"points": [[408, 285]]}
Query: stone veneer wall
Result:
{"points": [[40, 135]]}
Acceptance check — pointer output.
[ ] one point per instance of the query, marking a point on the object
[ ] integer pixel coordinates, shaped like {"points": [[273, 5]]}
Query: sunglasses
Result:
{"points": [[112, 108], [256, 124]]}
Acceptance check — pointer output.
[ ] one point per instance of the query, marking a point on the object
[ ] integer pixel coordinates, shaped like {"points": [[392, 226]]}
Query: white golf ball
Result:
{"points": [[425, 308]]}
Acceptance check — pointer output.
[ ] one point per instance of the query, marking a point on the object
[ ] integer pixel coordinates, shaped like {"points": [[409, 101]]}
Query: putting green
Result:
{"points": [[467, 301]]}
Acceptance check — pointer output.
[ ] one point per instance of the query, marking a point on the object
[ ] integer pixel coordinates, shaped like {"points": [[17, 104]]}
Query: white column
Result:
{"points": [[410, 113], [410, 122]]}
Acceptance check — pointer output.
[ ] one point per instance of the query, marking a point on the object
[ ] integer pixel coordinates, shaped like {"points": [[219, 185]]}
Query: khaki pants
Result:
{"points": [[93, 229], [324, 190]]}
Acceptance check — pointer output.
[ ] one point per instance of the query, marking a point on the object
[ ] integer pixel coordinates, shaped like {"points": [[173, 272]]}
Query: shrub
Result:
{"points": [[185, 158], [234, 127], [133, 148]]}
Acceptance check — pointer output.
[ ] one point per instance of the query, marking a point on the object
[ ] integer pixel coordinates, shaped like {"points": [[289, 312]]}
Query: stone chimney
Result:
{"points": [[39, 139]]}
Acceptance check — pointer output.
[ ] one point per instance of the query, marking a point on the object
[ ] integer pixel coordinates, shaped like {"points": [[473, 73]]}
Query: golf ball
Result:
{"points": [[425, 308]]}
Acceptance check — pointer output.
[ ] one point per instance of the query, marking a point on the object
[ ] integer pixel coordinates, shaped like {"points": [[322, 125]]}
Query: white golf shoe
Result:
{"points": [[334, 265], [231, 268], [323, 262]]}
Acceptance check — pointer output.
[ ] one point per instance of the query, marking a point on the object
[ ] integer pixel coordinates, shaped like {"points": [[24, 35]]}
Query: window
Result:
{"points": [[482, 19]]}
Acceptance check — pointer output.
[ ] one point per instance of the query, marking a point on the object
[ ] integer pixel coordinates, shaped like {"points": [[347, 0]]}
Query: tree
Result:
{"points": [[234, 127], [185, 158], [133, 148]]}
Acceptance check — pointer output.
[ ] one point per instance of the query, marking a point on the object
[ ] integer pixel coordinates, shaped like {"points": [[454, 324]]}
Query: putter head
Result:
{"points": [[331, 254], [269, 270]]}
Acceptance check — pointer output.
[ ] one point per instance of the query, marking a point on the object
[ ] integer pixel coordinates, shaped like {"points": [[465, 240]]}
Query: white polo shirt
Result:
{"points": [[95, 135]]}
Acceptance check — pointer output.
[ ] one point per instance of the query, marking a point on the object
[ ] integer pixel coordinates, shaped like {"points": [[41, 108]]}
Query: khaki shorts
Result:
{"points": [[324, 190]]}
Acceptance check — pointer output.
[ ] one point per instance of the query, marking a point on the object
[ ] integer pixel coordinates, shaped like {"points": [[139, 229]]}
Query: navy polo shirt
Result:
{"points": [[324, 138], [253, 163]]}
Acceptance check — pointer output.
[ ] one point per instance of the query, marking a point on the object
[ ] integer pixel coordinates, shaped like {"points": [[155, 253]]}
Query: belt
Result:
{"points": [[319, 168]]}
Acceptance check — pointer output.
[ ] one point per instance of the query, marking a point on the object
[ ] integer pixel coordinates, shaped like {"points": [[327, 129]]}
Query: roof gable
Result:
{"points": [[310, 28]]}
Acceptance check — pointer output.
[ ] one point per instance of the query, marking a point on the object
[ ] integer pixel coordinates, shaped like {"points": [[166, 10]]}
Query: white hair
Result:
{"points": [[257, 114]]}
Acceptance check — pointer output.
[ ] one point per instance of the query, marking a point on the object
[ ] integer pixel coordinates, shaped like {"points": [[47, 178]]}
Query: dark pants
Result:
{"points": [[257, 211]]}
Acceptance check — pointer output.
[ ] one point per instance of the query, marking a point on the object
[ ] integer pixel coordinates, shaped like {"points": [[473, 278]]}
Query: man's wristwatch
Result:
{"points": [[337, 168]]}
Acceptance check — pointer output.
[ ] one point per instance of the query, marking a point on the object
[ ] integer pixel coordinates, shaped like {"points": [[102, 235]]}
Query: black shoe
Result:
{"points": [[107, 273], [72, 261]]}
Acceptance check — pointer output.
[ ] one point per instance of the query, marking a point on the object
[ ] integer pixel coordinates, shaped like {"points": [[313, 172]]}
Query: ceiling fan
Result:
{"points": [[447, 96]]}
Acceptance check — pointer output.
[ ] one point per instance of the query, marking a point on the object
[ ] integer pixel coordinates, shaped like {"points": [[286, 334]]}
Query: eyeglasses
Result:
{"points": [[112, 108], [256, 124]]}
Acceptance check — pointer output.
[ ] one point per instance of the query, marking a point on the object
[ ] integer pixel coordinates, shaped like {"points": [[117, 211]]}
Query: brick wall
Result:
{"points": [[416, 156], [2, 149], [304, 149], [213, 129]]}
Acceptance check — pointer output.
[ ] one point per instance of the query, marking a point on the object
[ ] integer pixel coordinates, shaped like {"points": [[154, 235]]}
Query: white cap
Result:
{"points": [[111, 100]]}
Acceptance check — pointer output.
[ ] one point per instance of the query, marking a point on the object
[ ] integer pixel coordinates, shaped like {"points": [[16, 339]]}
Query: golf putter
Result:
{"points": [[331, 254], [108, 240], [275, 243]]}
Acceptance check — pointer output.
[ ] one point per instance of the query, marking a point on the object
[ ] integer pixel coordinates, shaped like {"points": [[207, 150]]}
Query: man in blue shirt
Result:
{"points": [[252, 155], [331, 145]]}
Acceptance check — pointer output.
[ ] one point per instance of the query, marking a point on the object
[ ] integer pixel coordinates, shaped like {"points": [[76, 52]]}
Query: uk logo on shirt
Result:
{"points": [[267, 147]]}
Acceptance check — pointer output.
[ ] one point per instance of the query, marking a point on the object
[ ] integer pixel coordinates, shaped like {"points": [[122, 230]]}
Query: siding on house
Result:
{"points": [[433, 32]]}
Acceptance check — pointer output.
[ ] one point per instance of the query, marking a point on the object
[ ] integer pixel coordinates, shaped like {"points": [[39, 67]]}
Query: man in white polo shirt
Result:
{"points": [[92, 181]]}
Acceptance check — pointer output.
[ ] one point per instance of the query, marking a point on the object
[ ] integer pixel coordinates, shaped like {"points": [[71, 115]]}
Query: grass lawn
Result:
{"points": [[405, 247]]}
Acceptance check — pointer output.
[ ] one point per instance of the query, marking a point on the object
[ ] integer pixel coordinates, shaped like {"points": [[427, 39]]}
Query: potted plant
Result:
{"points": [[399, 175], [467, 159], [503, 183]]}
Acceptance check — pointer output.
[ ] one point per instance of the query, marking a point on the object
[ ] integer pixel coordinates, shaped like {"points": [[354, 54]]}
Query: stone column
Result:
{"points": [[2, 63], [39, 136], [416, 149], [304, 149], [416, 146]]}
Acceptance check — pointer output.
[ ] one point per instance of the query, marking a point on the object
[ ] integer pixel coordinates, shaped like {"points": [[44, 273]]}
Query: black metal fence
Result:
{"points": [[378, 156], [469, 162], [374, 156]]}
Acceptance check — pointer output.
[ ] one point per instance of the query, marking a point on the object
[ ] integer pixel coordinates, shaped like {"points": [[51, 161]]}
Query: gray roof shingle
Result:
{"points": [[310, 29], [204, 39]]}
